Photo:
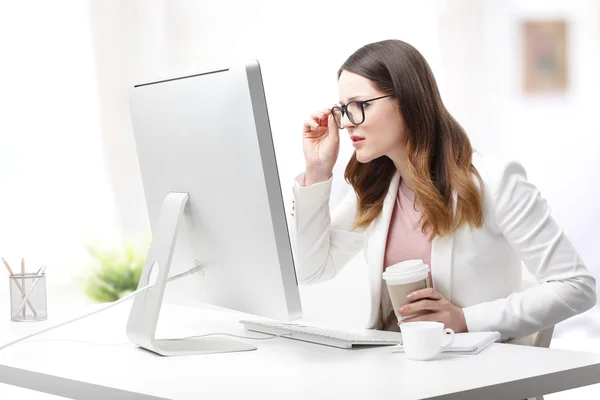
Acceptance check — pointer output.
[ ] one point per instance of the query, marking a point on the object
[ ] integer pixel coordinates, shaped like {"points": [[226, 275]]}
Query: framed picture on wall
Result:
{"points": [[545, 66]]}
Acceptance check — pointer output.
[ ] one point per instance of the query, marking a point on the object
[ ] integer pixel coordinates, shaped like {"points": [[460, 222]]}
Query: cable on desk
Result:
{"points": [[271, 336], [121, 300]]}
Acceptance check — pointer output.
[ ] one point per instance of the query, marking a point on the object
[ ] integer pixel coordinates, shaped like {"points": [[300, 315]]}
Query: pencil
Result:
{"points": [[7, 267], [10, 271]]}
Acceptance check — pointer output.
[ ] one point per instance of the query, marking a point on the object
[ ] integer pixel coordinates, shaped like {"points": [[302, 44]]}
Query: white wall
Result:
{"points": [[557, 137], [54, 195]]}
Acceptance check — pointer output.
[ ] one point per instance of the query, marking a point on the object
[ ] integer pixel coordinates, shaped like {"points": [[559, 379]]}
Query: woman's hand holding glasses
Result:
{"points": [[321, 143]]}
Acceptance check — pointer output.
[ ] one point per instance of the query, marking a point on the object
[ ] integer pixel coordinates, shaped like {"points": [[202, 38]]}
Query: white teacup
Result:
{"points": [[425, 340]]}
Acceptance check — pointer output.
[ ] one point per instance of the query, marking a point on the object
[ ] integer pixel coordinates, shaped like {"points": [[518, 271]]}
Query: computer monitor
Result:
{"points": [[214, 201]]}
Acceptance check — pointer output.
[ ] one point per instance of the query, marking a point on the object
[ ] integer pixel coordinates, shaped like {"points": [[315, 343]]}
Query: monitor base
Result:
{"points": [[143, 317], [191, 346]]}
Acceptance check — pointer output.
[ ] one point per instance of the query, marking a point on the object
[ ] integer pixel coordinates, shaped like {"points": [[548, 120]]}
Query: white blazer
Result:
{"points": [[477, 269]]}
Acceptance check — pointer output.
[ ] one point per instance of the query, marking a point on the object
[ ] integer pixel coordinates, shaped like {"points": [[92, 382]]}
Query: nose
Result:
{"points": [[346, 123]]}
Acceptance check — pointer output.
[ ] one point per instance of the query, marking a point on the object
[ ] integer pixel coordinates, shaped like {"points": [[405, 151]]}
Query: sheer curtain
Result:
{"points": [[55, 195]]}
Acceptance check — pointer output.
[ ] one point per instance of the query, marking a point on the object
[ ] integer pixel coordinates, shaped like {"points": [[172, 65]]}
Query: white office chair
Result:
{"points": [[541, 338]]}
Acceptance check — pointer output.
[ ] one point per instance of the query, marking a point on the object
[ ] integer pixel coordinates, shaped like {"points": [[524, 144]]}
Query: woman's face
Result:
{"points": [[383, 128]]}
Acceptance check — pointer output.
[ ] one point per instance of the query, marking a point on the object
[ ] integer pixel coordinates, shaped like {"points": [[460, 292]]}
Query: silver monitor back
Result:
{"points": [[209, 135]]}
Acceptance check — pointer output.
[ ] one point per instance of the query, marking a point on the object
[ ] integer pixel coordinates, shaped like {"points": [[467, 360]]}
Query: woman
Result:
{"points": [[420, 192]]}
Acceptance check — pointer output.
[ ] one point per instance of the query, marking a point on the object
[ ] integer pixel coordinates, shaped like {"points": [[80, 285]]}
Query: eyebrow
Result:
{"points": [[353, 98]]}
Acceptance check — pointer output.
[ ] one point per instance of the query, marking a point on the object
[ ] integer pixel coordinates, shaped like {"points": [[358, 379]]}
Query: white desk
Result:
{"points": [[280, 368]]}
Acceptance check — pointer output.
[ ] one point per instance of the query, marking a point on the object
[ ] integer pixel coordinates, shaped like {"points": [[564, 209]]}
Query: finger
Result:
{"points": [[309, 125], [320, 117], [434, 316], [427, 293], [431, 305], [334, 132], [323, 117]]}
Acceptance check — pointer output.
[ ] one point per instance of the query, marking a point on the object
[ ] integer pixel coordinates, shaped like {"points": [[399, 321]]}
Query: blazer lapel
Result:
{"points": [[377, 242], [441, 265], [441, 262]]}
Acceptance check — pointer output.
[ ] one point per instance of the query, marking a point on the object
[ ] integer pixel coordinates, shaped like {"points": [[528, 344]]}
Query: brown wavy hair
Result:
{"points": [[438, 150]]}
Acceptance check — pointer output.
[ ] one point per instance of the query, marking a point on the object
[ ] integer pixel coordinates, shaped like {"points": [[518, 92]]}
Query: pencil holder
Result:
{"points": [[28, 297]]}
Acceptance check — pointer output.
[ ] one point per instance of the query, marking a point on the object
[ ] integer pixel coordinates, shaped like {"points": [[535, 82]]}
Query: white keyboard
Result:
{"points": [[328, 337]]}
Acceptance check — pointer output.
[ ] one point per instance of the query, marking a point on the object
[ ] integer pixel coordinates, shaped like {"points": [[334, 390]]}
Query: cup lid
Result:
{"points": [[406, 271]]}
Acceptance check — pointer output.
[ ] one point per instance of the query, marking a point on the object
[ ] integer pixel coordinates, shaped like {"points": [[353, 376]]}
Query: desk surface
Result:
{"points": [[280, 368]]}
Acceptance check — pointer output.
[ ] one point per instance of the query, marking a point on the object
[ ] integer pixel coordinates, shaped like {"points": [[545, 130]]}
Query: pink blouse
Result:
{"points": [[405, 241]]}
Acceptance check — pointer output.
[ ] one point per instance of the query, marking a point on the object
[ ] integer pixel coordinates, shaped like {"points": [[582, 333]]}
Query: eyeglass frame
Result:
{"points": [[361, 104]]}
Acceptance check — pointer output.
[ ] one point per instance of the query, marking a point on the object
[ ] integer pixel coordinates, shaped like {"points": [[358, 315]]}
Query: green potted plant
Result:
{"points": [[115, 273]]}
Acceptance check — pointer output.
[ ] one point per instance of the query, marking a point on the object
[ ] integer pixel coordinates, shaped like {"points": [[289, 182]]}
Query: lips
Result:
{"points": [[357, 141]]}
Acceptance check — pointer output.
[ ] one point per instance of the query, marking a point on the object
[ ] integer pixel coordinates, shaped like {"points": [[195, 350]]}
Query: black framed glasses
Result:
{"points": [[355, 110]]}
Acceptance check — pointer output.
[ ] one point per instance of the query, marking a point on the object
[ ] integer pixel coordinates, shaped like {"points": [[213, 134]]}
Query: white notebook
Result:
{"points": [[465, 343]]}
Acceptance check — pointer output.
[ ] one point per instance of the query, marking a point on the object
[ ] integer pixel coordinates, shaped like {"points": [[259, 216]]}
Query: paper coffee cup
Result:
{"points": [[403, 278]]}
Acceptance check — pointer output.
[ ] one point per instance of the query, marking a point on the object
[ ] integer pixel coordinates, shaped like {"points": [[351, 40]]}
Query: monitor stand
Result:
{"points": [[143, 318]]}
